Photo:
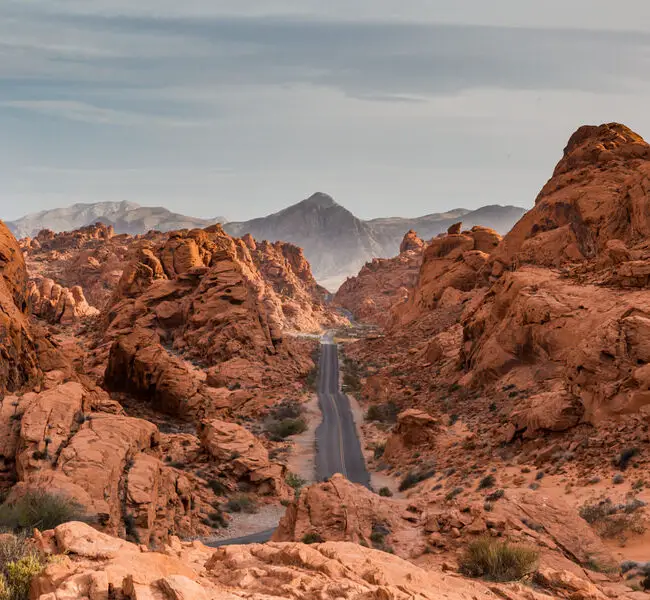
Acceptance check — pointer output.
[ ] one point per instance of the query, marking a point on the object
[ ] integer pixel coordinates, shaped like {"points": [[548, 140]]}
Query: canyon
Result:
{"points": [[497, 381]]}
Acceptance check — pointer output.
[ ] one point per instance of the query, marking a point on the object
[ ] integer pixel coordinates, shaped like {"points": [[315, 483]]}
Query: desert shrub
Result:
{"points": [[618, 479], [216, 518], [241, 503], [379, 450], [414, 477], [287, 409], [218, 487], [385, 492], [15, 584], [312, 538], [495, 560], [383, 413], [41, 510], [614, 520], [539, 475], [495, 495], [20, 562], [281, 430], [295, 481], [487, 482], [622, 461], [453, 493], [131, 528], [312, 379], [377, 538]]}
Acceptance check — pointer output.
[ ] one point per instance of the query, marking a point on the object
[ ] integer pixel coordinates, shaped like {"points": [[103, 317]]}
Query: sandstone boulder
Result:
{"points": [[239, 453]]}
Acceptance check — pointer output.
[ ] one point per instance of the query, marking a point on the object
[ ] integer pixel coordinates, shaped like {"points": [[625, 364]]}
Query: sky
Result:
{"points": [[240, 108]]}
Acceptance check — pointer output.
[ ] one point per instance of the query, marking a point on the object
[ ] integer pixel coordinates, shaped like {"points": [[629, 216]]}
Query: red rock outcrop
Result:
{"points": [[56, 304], [90, 564], [456, 261], [244, 457], [540, 333], [383, 282], [109, 463], [598, 194], [91, 257], [18, 355]]}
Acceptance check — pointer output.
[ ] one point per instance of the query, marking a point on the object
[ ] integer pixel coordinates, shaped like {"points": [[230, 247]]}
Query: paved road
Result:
{"points": [[337, 445], [254, 538], [338, 449]]}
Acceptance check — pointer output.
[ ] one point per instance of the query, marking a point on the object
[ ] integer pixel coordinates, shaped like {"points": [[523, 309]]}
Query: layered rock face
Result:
{"points": [[203, 296], [382, 282], [18, 359], [541, 332], [454, 262]]}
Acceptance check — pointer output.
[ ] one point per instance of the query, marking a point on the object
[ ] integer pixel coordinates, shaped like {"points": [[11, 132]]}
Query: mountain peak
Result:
{"points": [[319, 200]]}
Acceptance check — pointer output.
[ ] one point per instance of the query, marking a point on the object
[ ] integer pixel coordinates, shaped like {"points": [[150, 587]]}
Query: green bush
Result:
{"points": [[280, 430], [287, 409], [412, 478], [379, 450], [312, 538], [295, 481], [383, 413], [487, 482], [495, 560], [218, 487], [41, 510], [622, 461], [242, 503], [385, 492], [19, 564]]}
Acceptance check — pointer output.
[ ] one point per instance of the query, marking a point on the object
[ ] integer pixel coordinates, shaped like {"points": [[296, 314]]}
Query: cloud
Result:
{"points": [[429, 102], [87, 113]]}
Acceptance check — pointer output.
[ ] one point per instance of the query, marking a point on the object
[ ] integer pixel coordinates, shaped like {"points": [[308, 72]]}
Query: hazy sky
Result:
{"points": [[241, 107]]}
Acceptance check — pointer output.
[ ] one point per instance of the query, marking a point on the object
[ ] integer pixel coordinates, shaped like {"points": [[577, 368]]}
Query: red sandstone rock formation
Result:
{"points": [[382, 283], [541, 333], [18, 359]]}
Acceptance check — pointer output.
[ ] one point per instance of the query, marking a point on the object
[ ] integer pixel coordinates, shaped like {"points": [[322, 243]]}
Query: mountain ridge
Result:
{"points": [[336, 242]]}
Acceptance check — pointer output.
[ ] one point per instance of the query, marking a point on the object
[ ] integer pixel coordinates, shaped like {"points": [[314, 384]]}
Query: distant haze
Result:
{"points": [[211, 107], [334, 240]]}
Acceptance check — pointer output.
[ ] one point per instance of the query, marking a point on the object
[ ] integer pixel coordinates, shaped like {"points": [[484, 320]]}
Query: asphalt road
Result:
{"points": [[337, 445], [338, 449]]}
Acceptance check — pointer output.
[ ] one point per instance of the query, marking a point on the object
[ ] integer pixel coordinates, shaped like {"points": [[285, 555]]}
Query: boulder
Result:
{"points": [[239, 453]]}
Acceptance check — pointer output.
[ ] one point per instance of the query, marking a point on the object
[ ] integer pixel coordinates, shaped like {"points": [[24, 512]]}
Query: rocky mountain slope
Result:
{"points": [[382, 282], [527, 353], [335, 242], [183, 332], [125, 217]]}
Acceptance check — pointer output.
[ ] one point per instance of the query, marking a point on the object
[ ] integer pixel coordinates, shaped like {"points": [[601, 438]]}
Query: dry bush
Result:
{"points": [[495, 560]]}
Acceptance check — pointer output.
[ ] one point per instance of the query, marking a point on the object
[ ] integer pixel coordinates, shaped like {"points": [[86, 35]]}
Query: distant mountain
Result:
{"points": [[336, 243], [126, 217]]}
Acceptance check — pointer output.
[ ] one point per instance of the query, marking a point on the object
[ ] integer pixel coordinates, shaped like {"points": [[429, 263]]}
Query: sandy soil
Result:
{"points": [[302, 460]]}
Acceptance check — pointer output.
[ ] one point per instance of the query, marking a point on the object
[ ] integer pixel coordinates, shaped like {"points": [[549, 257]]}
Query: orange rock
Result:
{"points": [[241, 454]]}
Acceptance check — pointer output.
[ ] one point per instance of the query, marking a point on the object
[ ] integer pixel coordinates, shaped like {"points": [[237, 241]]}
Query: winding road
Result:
{"points": [[338, 449]]}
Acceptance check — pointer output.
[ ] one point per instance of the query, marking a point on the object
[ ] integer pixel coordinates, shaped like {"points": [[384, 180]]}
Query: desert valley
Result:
{"points": [[190, 413]]}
